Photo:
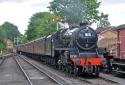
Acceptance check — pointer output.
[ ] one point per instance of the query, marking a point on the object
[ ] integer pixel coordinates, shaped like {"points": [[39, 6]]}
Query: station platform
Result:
{"points": [[10, 73]]}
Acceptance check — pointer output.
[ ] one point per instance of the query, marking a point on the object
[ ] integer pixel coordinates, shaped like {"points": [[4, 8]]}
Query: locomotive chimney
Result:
{"points": [[83, 24]]}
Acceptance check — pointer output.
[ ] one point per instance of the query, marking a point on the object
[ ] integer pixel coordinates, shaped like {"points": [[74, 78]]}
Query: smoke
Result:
{"points": [[75, 9]]}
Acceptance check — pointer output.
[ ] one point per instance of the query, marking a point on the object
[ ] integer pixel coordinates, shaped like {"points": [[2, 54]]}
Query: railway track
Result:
{"points": [[33, 78], [1, 61], [101, 80], [97, 80], [65, 77]]}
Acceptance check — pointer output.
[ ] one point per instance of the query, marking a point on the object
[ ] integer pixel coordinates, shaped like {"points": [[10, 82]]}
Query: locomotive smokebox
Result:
{"points": [[86, 37]]}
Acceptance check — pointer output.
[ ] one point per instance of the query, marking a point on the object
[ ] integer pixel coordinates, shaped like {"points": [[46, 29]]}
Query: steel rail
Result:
{"points": [[25, 74], [95, 81], [2, 60], [68, 83], [109, 80], [50, 76]]}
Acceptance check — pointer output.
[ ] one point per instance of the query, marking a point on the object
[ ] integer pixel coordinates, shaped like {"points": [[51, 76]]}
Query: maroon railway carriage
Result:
{"points": [[119, 60]]}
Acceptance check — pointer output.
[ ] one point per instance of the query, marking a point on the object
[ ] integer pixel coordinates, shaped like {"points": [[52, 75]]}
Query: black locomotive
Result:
{"points": [[74, 50]]}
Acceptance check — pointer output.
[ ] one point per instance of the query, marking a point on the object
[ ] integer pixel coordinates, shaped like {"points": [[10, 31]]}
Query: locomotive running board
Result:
{"points": [[62, 49]]}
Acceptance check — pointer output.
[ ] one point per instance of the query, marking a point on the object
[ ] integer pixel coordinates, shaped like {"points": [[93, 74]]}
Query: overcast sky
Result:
{"points": [[115, 9], [18, 12]]}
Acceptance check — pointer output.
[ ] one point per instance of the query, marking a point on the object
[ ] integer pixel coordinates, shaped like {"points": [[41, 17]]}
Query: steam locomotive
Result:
{"points": [[73, 49]]}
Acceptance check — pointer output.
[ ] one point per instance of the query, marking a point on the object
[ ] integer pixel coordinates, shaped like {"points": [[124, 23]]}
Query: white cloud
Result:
{"points": [[19, 13]]}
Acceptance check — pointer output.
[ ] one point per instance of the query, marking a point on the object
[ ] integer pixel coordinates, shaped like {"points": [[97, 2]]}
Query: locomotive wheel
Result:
{"points": [[67, 68], [63, 68], [71, 69], [76, 71], [60, 67], [96, 71]]}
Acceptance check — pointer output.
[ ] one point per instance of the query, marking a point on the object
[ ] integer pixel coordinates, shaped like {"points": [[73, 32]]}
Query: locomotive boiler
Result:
{"points": [[73, 49]]}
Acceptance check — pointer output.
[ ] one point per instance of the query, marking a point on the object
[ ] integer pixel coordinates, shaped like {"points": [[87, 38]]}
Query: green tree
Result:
{"points": [[10, 31], [40, 25], [3, 38], [103, 21], [23, 39], [3, 35], [7, 31], [3, 45], [76, 11]]}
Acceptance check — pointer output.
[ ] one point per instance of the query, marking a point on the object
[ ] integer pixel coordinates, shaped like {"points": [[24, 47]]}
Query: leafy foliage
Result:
{"points": [[103, 22], [76, 11], [2, 34], [23, 39], [3, 45], [7, 31], [40, 25]]}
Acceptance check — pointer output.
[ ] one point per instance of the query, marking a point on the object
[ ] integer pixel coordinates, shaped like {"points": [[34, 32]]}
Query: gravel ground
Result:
{"points": [[10, 73], [114, 78]]}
